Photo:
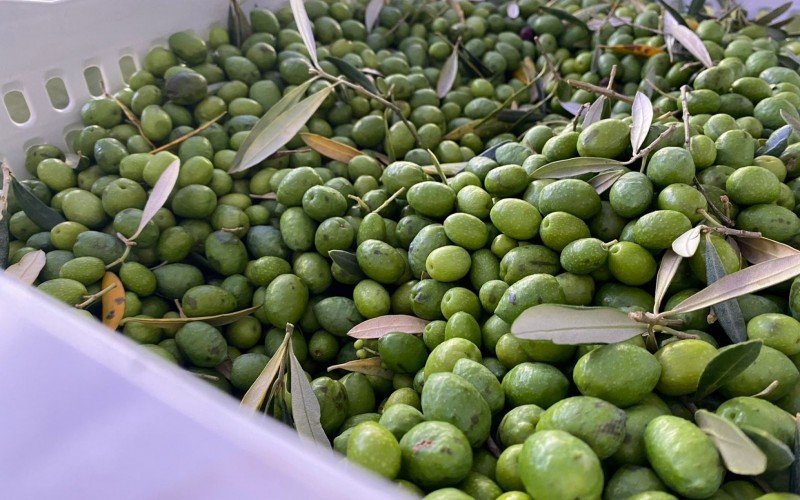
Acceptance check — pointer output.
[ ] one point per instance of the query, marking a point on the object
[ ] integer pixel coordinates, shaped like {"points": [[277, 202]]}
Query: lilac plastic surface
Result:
{"points": [[86, 413]]}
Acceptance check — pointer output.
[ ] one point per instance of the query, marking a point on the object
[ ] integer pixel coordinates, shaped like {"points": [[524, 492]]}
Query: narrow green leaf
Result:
{"points": [[676, 16], [353, 74], [604, 180], [376, 328], [572, 325], [274, 134], [666, 272], [368, 366], [239, 28], [28, 267], [305, 405], [490, 153], [304, 27], [739, 453], [729, 362], [779, 456], [158, 196], [757, 250], [777, 141], [773, 14], [595, 112], [790, 120], [642, 114], [447, 76], [347, 261], [573, 167], [41, 215], [748, 280], [696, 7], [371, 14], [728, 312], [686, 244], [566, 16], [691, 42], [255, 396]]}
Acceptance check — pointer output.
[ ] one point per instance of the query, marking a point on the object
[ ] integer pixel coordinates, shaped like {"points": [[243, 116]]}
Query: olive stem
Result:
{"points": [[767, 390], [91, 299], [493, 448], [185, 136], [179, 308], [611, 77], [739, 233], [661, 92], [708, 217], [361, 203], [651, 319], [389, 200], [438, 166], [724, 217], [508, 101], [687, 133], [574, 121], [536, 106], [130, 116], [646, 151], [128, 245], [672, 331], [549, 62], [599, 90], [608, 245]]}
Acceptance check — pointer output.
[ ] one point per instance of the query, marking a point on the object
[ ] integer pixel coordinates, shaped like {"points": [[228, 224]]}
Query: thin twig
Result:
{"points": [[547, 60], [389, 200], [128, 245], [6, 175], [723, 216], [130, 116], [646, 151], [91, 299], [654, 87], [438, 166], [599, 90], [179, 308], [185, 136], [687, 133], [361, 203]]}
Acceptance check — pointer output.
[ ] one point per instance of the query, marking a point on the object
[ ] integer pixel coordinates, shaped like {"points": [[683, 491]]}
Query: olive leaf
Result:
{"points": [[739, 453], [690, 41], [571, 107], [329, 148], [5, 239], [757, 250], [572, 325], [791, 120], [642, 114], [672, 12], [565, 16], [257, 393], [729, 362], [789, 59], [304, 27], [604, 180], [482, 128], [447, 76], [748, 280], [368, 366], [595, 112], [225, 368], [376, 328], [774, 14], [728, 312], [686, 244], [666, 272], [28, 267], [113, 301], [158, 196], [777, 141], [41, 215], [766, 391], [306, 412], [449, 169], [794, 472], [490, 153], [588, 13], [512, 10], [346, 260], [372, 13], [269, 135], [215, 320], [779, 456], [696, 7], [239, 28], [573, 167], [353, 73]]}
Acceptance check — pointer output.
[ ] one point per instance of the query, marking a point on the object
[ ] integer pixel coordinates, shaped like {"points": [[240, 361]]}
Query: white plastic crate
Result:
{"points": [[86, 413]]}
